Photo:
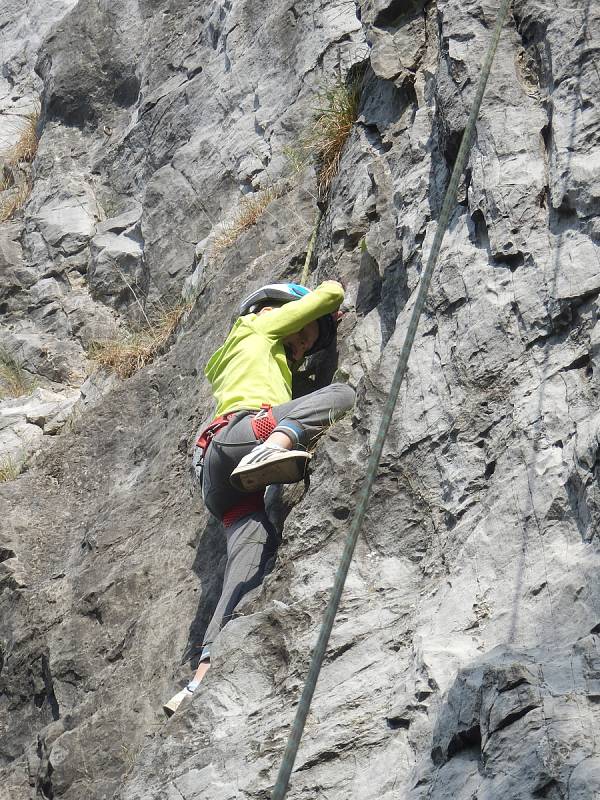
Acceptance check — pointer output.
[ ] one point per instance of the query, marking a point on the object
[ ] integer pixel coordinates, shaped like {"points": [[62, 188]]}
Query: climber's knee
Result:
{"points": [[345, 398]]}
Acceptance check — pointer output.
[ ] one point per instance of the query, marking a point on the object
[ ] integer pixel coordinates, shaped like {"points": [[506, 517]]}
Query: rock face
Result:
{"points": [[464, 662]]}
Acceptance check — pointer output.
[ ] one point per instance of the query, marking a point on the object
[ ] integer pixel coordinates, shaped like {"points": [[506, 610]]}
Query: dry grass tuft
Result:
{"points": [[332, 125], [248, 214], [14, 380], [297, 157], [15, 182], [8, 470], [26, 141], [126, 354], [14, 201], [6, 179]]}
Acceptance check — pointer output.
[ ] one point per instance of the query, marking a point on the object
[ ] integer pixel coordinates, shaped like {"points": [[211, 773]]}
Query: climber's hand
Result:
{"points": [[337, 284]]}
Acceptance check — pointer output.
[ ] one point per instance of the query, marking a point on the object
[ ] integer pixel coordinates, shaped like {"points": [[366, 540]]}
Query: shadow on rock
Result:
{"points": [[209, 566]]}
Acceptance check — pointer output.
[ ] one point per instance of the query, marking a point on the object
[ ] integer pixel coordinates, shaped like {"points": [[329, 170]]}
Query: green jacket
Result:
{"points": [[251, 367]]}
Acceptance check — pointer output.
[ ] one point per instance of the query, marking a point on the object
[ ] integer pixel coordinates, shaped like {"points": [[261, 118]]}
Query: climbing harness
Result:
{"points": [[207, 434], [249, 505], [281, 785], [264, 423]]}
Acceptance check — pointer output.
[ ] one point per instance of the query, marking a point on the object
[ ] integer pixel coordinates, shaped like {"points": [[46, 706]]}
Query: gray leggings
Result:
{"points": [[252, 540]]}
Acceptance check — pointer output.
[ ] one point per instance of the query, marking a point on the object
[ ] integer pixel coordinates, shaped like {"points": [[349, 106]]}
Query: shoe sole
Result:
{"points": [[169, 710], [174, 703], [287, 469]]}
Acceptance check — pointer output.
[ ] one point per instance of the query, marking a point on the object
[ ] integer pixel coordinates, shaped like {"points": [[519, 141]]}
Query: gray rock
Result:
{"points": [[116, 272], [15, 277], [463, 662], [41, 407], [22, 35], [89, 321], [24, 420], [18, 440], [122, 223], [66, 217], [80, 91], [61, 361]]}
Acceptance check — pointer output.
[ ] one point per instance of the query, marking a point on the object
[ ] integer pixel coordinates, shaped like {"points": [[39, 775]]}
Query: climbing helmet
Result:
{"points": [[281, 293]]}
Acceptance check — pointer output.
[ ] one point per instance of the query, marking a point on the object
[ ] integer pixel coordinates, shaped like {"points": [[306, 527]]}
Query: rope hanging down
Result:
{"points": [[291, 750], [311, 247]]}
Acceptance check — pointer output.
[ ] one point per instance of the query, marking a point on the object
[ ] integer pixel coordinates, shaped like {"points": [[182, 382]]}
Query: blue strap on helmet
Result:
{"points": [[297, 289]]}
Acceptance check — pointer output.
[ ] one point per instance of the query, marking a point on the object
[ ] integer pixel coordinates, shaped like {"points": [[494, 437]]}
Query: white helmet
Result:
{"points": [[285, 293]]}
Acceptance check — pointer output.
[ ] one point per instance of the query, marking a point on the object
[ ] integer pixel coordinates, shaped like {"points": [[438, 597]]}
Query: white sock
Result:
{"points": [[193, 685], [274, 447]]}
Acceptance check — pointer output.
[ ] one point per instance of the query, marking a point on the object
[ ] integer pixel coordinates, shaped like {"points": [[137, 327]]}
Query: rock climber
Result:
{"points": [[260, 435]]}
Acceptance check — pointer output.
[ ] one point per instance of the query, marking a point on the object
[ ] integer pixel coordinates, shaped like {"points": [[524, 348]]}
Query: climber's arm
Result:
{"points": [[292, 317]]}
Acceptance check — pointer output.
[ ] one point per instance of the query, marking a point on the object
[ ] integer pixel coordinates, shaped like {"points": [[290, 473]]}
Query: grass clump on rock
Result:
{"points": [[8, 470], [14, 380], [16, 155], [333, 121], [25, 145], [131, 350], [14, 201], [249, 212]]}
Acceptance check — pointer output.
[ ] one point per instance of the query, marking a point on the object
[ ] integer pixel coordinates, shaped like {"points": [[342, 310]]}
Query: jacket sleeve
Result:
{"points": [[293, 316]]}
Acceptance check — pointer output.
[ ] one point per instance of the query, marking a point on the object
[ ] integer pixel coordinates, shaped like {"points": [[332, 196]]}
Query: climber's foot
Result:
{"points": [[265, 465], [175, 702], [184, 696]]}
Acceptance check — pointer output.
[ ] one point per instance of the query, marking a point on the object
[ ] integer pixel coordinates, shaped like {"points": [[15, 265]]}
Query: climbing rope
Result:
{"points": [[311, 247], [291, 750]]}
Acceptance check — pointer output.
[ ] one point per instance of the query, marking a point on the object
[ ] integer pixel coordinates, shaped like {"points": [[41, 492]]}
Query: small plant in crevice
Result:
{"points": [[24, 140], [129, 351], [16, 155], [14, 200], [7, 178], [333, 120], [15, 381], [249, 212], [8, 470], [296, 157]]}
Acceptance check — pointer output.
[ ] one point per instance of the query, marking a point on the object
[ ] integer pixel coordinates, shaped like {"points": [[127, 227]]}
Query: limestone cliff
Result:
{"points": [[464, 662]]}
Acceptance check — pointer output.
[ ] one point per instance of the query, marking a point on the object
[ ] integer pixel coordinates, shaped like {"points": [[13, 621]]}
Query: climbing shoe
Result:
{"points": [[266, 464], [171, 707]]}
